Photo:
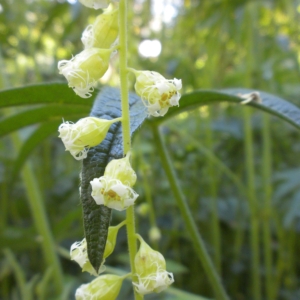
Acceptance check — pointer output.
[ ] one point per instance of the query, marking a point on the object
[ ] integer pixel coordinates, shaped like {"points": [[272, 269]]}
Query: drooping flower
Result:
{"points": [[150, 267], [83, 70], [103, 32], [78, 251], [96, 4], [87, 132], [113, 189], [104, 287], [157, 92]]}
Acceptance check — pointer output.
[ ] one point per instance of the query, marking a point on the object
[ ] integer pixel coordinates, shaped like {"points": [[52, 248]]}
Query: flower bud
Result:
{"points": [[154, 234], [78, 252], [111, 239], [143, 209], [83, 70], [104, 32], [150, 267], [96, 4], [121, 169], [104, 287], [87, 132], [157, 92]]}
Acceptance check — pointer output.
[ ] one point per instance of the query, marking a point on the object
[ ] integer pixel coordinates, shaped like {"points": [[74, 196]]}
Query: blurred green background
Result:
{"points": [[237, 167]]}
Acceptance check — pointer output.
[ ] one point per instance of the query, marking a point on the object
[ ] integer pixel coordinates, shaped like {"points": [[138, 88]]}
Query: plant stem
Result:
{"points": [[188, 219], [130, 222], [254, 234], [40, 219], [267, 240], [215, 229]]}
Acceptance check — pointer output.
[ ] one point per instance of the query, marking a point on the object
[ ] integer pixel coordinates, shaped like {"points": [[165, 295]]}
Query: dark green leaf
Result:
{"points": [[270, 103], [97, 217], [41, 114], [51, 93]]}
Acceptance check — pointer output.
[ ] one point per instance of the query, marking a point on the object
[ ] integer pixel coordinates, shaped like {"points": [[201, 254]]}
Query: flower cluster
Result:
{"points": [[113, 189], [86, 68]]}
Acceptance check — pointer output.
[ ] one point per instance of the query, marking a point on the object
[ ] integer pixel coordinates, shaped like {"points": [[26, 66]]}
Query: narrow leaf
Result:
{"points": [[50, 93], [270, 103], [41, 114], [97, 217]]}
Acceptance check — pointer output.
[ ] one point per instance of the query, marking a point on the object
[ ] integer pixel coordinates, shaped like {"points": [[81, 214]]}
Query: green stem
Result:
{"points": [[267, 235], [188, 219], [40, 219], [130, 222], [215, 229], [254, 234]]}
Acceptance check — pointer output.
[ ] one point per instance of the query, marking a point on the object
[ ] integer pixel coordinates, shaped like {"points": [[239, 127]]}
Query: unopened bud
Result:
{"points": [[154, 234]]}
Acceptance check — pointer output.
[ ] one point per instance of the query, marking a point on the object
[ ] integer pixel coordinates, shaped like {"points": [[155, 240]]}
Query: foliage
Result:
{"points": [[233, 178]]}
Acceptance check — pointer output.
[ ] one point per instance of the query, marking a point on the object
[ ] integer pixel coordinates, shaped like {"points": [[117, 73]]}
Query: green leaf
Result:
{"points": [[50, 93], [97, 217], [37, 137], [41, 114], [270, 103]]}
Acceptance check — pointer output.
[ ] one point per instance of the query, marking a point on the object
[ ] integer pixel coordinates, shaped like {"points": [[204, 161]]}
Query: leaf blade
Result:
{"points": [[270, 103], [97, 217]]}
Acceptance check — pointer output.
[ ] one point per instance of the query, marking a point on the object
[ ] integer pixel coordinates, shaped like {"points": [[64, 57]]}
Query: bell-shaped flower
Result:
{"points": [[121, 169], [103, 32], [157, 92], [87, 132], [85, 69], [104, 287], [150, 267], [78, 251], [113, 189], [96, 4]]}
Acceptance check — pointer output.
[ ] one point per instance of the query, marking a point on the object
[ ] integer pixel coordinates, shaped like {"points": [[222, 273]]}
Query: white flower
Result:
{"points": [[83, 70], [78, 252], [155, 282], [96, 4], [87, 132], [157, 92], [104, 32], [112, 193], [103, 287], [150, 267]]}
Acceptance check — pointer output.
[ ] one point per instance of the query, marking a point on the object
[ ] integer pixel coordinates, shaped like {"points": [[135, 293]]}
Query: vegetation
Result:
{"points": [[214, 175]]}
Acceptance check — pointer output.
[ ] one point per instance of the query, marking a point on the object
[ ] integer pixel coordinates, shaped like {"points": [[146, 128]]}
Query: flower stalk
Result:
{"points": [[130, 222]]}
